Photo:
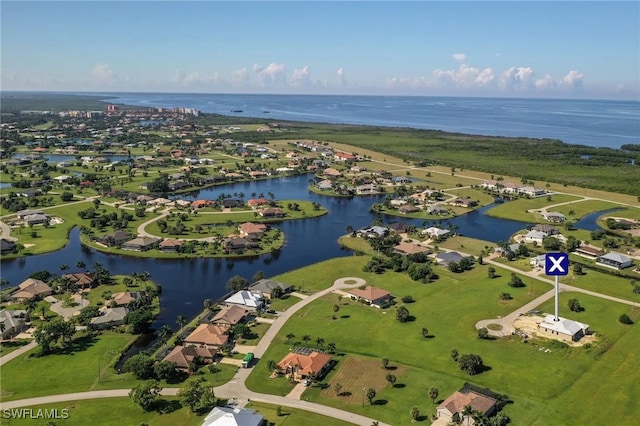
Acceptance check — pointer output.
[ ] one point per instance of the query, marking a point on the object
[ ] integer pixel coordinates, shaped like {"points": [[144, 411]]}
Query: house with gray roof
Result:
{"points": [[266, 287], [614, 260], [444, 259], [110, 317], [13, 322], [563, 329]]}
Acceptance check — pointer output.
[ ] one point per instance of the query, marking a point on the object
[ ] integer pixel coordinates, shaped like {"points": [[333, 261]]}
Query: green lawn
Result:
{"points": [[293, 416], [67, 371], [281, 305], [466, 244], [517, 209], [582, 208], [10, 346], [375, 333], [601, 282]]}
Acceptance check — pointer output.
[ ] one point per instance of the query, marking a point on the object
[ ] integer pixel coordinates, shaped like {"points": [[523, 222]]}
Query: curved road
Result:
{"points": [[235, 389]]}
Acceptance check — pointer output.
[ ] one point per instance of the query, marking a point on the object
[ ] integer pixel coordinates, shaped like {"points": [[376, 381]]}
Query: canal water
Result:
{"points": [[187, 282]]}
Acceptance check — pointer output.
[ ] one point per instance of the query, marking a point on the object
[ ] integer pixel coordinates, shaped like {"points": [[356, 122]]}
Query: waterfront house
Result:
{"points": [[230, 315], [436, 233], [82, 280], [239, 244], [535, 236], [109, 317], [231, 203], [170, 245], [7, 246], [271, 212], [303, 363], [31, 289], [184, 356], [614, 260], [252, 230], [266, 287], [123, 298], [373, 296], [250, 299], [324, 184], [141, 244], [208, 335], [114, 239], [410, 248], [464, 202], [257, 202], [532, 192], [554, 217], [408, 208]]}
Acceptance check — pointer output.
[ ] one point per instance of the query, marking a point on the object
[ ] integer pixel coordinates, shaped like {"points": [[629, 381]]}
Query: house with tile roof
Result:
{"points": [[373, 296], [302, 365], [208, 335], [457, 401], [230, 315], [31, 289], [183, 356]]}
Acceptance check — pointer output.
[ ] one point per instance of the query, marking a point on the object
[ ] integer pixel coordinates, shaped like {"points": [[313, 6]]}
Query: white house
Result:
{"points": [[247, 298], [614, 260]]}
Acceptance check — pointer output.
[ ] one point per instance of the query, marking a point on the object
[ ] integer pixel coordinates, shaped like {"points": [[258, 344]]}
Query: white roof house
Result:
{"points": [[614, 260], [564, 328], [434, 232], [223, 416], [246, 298], [535, 236]]}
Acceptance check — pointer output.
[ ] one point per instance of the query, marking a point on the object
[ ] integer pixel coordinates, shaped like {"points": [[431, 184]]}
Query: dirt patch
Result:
{"points": [[495, 327], [350, 281], [529, 325], [28, 245], [354, 374]]}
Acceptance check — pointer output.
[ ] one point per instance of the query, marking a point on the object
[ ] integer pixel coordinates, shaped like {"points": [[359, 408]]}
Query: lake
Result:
{"points": [[187, 282]]}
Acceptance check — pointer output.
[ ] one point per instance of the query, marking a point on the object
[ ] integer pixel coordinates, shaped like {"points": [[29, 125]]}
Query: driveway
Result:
{"points": [[67, 313]]}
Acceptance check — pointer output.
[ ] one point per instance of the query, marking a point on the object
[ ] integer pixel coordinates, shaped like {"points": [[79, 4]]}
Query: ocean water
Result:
{"points": [[598, 123]]}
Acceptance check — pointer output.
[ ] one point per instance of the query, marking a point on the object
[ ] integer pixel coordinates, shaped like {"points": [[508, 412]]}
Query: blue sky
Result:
{"points": [[525, 49]]}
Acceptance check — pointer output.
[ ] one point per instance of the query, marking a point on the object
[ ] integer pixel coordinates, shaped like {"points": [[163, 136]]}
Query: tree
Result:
{"points": [[181, 321], [467, 411], [208, 304], [319, 342], [306, 338], [577, 269], [454, 354], [66, 196], [391, 378], [625, 319], [336, 308], [407, 299], [402, 314], [259, 275], [505, 296], [196, 394], [385, 363], [237, 283], [165, 370], [471, 364], [164, 333], [483, 333], [139, 320], [425, 332], [146, 394], [289, 336], [337, 387], [433, 394], [370, 393], [331, 347], [414, 413], [491, 272], [515, 281], [574, 305], [140, 365]]}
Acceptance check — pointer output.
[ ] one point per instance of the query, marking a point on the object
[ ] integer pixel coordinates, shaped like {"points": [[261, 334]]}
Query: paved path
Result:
{"points": [[234, 390], [8, 357]]}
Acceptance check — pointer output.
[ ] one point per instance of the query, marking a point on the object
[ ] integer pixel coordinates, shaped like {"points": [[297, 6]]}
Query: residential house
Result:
{"points": [[230, 315], [436, 233], [227, 416], [408, 208], [588, 251], [208, 335], [24, 213], [272, 212], [435, 209], [399, 227], [116, 238], [324, 184], [535, 236], [368, 188], [466, 396], [563, 329], [7, 246], [141, 244], [331, 173], [373, 231], [464, 202], [13, 322], [252, 230], [239, 244], [411, 248], [36, 219], [202, 203], [170, 245], [546, 228], [31, 289], [374, 296], [538, 261], [250, 299], [554, 217], [344, 156], [183, 356], [614, 260], [109, 317], [445, 258], [257, 202], [178, 185], [231, 203], [303, 364], [123, 298], [82, 280], [266, 287], [532, 192]]}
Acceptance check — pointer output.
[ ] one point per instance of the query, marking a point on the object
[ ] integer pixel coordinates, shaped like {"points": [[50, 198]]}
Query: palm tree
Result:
{"points": [[63, 267], [306, 338], [181, 321], [319, 342], [331, 347], [290, 336], [164, 333], [433, 394], [81, 265], [467, 412]]}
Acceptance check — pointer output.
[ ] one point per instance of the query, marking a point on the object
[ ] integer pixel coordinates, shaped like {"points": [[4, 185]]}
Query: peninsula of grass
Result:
{"points": [[519, 209], [375, 333], [467, 245], [584, 207]]}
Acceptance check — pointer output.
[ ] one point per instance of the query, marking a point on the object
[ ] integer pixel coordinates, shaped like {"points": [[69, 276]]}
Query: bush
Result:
{"points": [[407, 299], [625, 319]]}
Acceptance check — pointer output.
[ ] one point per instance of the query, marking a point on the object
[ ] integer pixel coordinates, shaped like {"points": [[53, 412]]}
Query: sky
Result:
{"points": [[572, 49]]}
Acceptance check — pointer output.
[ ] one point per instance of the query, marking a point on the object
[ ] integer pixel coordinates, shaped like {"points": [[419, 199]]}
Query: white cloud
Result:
{"points": [[272, 74], [301, 76], [241, 76], [341, 77], [545, 83], [460, 57], [103, 73], [517, 78], [196, 78], [573, 78], [464, 76]]}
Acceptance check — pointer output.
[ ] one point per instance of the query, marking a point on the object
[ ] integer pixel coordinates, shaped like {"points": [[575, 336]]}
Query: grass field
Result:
{"points": [[517, 209], [375, 333], [582, 208]]}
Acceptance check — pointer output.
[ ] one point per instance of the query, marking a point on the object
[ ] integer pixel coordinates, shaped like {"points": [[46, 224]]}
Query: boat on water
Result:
{"points": [[237, 110]]}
